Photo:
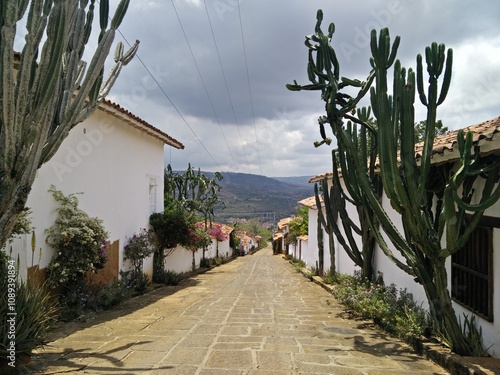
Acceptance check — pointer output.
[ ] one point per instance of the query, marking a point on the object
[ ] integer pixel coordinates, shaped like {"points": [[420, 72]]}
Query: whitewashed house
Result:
{"points": [[282, 233], [116, 160], [181, 259], [482, 268]]}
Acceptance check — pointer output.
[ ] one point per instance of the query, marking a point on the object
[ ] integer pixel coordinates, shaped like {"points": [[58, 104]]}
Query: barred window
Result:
{"points": [[472, 271]]}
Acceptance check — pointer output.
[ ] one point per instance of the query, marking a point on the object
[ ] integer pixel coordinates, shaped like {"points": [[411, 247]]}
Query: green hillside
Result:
{"points": [[250, 196]]}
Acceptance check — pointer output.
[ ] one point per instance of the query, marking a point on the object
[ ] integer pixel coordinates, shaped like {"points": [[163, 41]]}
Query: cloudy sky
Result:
{"points": [[212, 73]]}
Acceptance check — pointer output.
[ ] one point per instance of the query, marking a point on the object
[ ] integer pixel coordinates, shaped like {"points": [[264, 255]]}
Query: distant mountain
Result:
{"points": [[297, 180], [249, 196]]}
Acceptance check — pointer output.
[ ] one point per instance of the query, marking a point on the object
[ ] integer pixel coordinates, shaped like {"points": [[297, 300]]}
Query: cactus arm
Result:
{"points": [[9, 11], [385, 248], [333, 208], [435, 59]]}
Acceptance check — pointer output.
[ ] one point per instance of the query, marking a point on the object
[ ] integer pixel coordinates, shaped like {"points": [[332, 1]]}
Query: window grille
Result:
{"points": [[472, 273]]}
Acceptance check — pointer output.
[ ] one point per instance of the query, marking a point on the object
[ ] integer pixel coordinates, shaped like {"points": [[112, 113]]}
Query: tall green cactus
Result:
{"points": [[46, 88], [432, 201], [335, 198]]}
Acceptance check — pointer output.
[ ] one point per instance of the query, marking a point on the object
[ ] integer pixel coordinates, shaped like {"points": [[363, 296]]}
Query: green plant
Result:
{"points": [[171, 229], [36, 313], [77, 300], [433, 201], [474, 336], [78, 240], [136, 281], [205, 263], [112, 294], [329, 278], [393, 310], [47, 87], [168, 277], [139, 247]]}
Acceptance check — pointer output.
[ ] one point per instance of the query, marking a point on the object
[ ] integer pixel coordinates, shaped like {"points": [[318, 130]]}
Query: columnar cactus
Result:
{"points": [[46, 89], [335, 198], [411, 188]]}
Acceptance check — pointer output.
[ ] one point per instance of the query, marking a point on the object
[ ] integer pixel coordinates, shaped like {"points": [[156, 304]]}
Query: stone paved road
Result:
{"points": [[252, 316]]}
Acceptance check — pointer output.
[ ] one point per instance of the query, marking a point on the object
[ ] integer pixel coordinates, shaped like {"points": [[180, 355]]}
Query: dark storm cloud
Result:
{"points": [[272, 130]]}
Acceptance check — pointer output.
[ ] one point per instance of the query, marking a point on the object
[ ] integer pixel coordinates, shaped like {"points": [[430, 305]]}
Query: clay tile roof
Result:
{"points": [[485, 131], [311, 201], [283, 222], [226, 229], [445, 145], [115, 109]]}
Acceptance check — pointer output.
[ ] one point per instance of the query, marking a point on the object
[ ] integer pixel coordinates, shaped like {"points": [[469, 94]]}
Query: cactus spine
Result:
{"points": [[411, 189], [53, 89]]}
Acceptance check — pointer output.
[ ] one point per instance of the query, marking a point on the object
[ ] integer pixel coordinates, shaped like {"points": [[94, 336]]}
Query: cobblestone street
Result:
{"points": [[255, 316]]}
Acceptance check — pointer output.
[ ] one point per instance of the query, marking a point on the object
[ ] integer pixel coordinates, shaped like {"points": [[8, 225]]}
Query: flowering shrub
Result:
{"points": [[217, 233], [197, 238], [139, 247], [79, 241], [394, 310]]}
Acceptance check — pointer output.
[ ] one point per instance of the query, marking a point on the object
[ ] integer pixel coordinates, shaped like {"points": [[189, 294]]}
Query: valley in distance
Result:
{"points": [[269, 199]]}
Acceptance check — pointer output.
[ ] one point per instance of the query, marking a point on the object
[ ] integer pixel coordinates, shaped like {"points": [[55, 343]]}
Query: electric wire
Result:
{"points": [[171, 102], [225, 84], [249, 87], [203, 83]]}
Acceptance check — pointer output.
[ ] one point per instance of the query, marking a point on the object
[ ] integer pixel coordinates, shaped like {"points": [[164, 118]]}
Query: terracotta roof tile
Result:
{"points": [[283, 222], [311, 201], [113, 108]]}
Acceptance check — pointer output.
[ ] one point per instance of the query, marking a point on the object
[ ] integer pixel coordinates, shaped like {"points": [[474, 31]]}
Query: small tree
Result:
{"points": [[193, 192], [138, 247], [46, 88], [171, 229]]}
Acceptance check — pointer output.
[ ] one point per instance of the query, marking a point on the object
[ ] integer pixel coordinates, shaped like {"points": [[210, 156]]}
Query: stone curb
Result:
{"points": [[444, 357]]}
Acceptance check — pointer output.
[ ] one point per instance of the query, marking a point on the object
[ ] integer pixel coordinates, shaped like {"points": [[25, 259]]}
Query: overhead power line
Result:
{"points": [[203, 83], [226, 85], [137, 56], [249, 87]]}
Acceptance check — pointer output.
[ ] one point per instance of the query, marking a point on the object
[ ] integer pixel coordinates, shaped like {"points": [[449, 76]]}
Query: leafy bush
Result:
{"points": [[77, 300], [169, 277], [112, 294], [205, 263], [36, 312], [197, 237], [136, 281], [393, 310], [329, 278], [170, 227], [79, 241], [139, 247]]}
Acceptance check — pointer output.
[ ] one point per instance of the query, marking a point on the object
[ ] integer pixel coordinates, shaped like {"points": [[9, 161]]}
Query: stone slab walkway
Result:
{"points": [[253, 316]]}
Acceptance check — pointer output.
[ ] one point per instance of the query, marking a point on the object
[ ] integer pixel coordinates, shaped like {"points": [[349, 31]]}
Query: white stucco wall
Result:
{"points": [[181, 260], [112, 163], [394, 275]]}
